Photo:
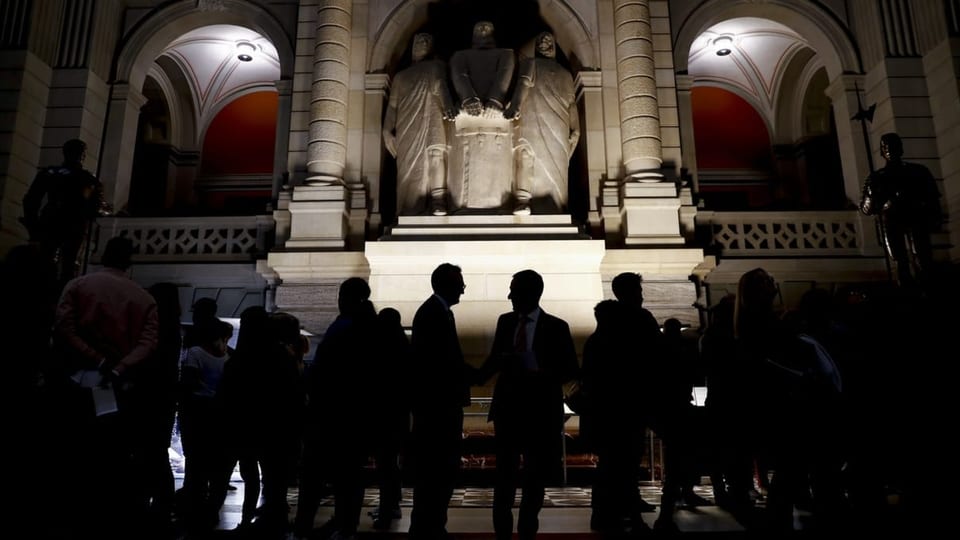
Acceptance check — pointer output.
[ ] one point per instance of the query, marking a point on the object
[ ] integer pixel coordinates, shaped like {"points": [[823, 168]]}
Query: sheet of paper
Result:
{"points": [[87, 378], [104, 400]]}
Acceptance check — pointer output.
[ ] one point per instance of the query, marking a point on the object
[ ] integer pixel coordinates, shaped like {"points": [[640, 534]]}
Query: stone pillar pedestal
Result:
{"points": [[400, 278], [650, 213], [281, 216], [318, 217], [306, 283], [668, 290]]}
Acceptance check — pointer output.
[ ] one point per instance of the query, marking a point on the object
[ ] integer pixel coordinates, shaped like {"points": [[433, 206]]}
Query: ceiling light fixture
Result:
{"points": [[723, 45], [245, 51]]}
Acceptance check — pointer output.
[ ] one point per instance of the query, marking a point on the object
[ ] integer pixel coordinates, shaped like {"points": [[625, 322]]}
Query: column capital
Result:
{"points": [[684, 81], [847, 82], [588, 82], [589, 79], [284, 87], [122, 91], [374, 83]]}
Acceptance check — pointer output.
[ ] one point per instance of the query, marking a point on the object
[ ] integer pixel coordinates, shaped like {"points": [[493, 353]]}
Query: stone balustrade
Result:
{"points": [[189, 239], [794, 234], [735, 234]]}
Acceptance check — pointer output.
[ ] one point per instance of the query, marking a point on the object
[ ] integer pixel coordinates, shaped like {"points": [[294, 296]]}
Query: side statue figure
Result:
{"points": [[414, 133], [481, 75], [549, 127], [905, 199]]}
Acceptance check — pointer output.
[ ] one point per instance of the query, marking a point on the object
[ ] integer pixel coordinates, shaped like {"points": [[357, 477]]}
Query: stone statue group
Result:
{"points": [[478, 148]]}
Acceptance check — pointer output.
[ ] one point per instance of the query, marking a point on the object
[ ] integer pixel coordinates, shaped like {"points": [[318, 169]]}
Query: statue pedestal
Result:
{"points": [[484, 227], [480, 168], [651, 214], [490, 249], [400, 278]]}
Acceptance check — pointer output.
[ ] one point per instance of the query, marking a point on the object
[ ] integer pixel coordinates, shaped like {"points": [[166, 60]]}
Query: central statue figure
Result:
{"points": [[481, 161], [481, 75]]}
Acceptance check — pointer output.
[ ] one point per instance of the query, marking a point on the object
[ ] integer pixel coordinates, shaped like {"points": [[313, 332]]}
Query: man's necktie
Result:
{"points": [[520, 344]]}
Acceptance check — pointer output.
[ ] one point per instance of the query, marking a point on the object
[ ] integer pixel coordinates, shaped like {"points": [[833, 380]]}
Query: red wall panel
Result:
{"points": [[729, 133], [240, 139]]}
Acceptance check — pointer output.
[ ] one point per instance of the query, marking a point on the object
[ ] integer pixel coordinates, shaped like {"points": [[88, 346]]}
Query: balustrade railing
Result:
{"points": [[734, 234], [189, 239], [795, 234]]}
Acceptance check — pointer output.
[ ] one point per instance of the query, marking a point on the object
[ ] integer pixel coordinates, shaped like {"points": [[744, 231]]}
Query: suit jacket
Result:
{"points": [[441, 378], [523, 395]]}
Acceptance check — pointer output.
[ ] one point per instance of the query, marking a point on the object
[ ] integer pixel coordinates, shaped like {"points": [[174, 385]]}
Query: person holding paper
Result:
{"points": [[105, 327]]}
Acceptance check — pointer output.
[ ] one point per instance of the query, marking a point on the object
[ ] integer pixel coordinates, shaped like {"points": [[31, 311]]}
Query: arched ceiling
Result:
{"points": [[209, 58], [761, 51]]}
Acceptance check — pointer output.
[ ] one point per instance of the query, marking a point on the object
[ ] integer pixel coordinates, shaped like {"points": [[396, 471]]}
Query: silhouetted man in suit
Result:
{"points": [[645, 333], [534, 355], [441, 388]]}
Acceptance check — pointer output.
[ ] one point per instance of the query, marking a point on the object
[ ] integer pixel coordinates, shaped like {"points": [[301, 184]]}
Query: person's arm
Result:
{"points": [[189, 375], [566, 365], [494, 362], [574, 116], [450, 110], [146, 342], [66, 331], [31, 202], [930, 195], [460, 75], [866, 200], [390, 124], [525, 81], [102, 207], [498, 93]]}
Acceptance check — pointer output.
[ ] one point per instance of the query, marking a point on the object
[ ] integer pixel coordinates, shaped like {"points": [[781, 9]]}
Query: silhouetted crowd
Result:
{"points": [[830, 407]]}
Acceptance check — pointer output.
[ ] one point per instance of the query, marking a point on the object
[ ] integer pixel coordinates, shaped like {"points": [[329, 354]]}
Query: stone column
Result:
{"points": [[327, 143], [590, 96], [26, 81], [637, 87], [688, 145], [375, 87], [842, 92], [319, 210], [282, 142], [117, 160]]}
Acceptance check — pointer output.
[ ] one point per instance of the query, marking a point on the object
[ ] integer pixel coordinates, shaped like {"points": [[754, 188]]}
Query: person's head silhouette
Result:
{"points": [[891, 147], [74, 152]]}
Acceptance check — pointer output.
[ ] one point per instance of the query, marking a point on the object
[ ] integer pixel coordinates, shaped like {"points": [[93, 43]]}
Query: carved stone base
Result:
{"points": [[480, 167]]}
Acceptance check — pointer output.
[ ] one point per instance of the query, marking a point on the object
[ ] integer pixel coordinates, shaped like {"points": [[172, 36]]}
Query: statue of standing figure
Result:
{"points": [[414, 132], [905, 199], [481, 75], [481, 155], [549, 127], [474, 168]]}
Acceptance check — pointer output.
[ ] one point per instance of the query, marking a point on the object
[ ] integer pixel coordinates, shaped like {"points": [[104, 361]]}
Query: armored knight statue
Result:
{"points": [[548, 131], [905, 199]]}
